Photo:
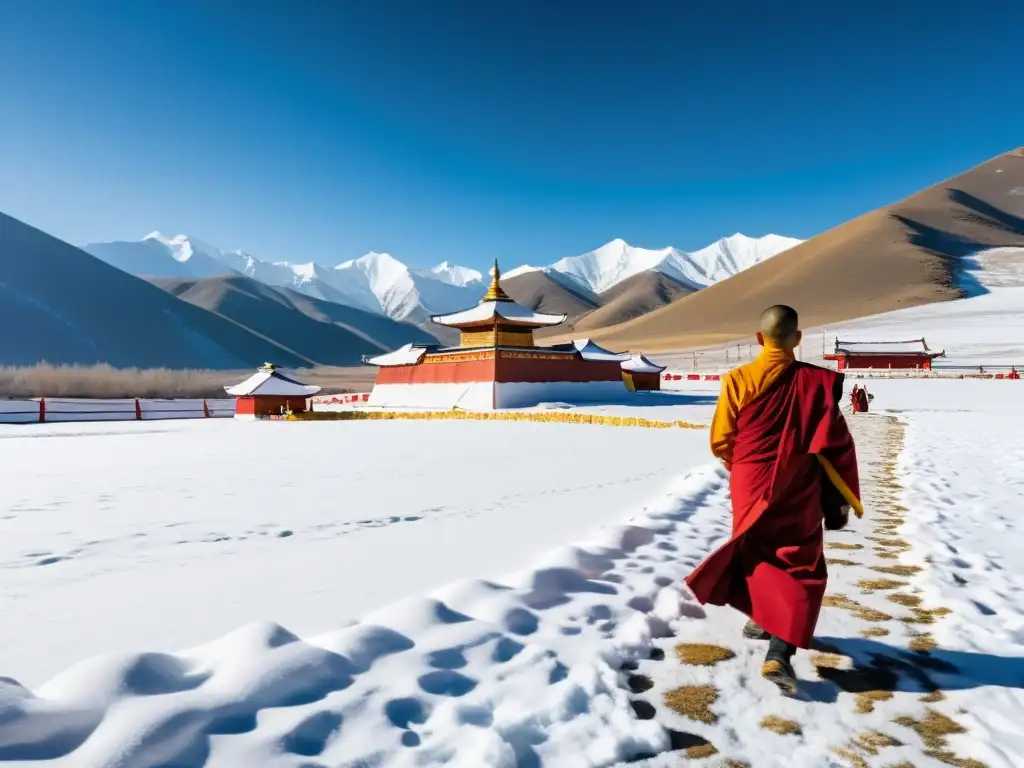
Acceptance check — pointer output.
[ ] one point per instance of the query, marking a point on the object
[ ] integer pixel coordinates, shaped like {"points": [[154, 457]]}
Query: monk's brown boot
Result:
{"points": [[781, 673], [752, 631], [777, 667]]}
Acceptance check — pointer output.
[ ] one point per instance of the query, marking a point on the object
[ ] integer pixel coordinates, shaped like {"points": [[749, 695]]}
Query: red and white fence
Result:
{"points": [[869, 373], [64, 409], [348, 399]]}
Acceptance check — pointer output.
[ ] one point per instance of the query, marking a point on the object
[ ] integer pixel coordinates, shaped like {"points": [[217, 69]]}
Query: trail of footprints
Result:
{"points": [[876, 558]]}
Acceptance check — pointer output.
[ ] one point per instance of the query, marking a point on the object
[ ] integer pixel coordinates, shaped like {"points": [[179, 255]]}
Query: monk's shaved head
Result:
{"points": [[779, 324]]}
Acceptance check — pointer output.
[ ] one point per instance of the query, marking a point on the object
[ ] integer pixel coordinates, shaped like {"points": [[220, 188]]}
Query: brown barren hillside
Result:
{"points": [[634, 297], [539, 292], [905, 254], [321, 331]]}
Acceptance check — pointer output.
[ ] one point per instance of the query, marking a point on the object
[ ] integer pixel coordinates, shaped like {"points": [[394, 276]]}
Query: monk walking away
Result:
{"points": [[792, 468]]}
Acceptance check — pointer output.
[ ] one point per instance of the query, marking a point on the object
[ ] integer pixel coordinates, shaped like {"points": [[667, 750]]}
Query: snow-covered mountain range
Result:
{"points": [[380, 283]]}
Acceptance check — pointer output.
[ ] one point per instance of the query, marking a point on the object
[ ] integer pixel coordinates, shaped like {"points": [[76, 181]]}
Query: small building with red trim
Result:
{"points": [[269, 392], [496, 364], [641, 375], [896, 355]]}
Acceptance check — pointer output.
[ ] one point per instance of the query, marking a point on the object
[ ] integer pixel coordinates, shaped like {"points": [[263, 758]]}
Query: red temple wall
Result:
{"points": [[501, 366], [882, 361], [268, 406]]}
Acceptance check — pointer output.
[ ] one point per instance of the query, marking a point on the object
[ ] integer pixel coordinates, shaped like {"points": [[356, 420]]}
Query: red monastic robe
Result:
{"points": [[773, 567]]}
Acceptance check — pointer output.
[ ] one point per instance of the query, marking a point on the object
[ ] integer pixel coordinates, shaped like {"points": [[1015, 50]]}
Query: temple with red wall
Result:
{"points": [[497, 364], [895, 355]]}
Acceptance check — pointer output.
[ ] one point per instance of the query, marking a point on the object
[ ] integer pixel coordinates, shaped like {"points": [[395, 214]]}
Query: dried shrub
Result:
{"points": [[694, 702], [781, 726], [702, 655]]}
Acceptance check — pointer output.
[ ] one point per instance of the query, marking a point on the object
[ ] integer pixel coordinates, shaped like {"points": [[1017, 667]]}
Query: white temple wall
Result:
{"points": [[476, 396], [526, 394]]}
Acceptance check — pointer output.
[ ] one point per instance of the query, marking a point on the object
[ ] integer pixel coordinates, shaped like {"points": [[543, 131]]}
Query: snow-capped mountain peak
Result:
{"points": [[616, 261], [452, 274], [378, 282]]}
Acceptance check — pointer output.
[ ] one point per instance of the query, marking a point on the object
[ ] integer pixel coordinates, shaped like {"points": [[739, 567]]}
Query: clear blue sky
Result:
{"points": [[465, 130]]}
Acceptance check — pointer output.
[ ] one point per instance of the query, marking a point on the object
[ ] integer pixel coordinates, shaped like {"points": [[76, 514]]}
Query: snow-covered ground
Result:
{"points": [[484, 639], [159, 535]]}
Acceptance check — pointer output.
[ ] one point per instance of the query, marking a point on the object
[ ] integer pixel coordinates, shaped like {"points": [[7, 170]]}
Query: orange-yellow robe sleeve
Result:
{"points": [[723, 424]]}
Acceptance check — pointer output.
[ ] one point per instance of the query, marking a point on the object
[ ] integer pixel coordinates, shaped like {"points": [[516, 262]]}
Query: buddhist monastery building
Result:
{"points": [[268, 392], [497, 363], [883, 354], [641, 375]]}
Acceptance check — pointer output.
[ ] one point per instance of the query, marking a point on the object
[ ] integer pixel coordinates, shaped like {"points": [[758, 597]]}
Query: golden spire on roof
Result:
{"points": [[495, 292]]}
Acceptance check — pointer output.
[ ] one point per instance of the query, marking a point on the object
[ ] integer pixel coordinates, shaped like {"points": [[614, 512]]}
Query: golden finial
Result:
{"points": [[494, 292]]}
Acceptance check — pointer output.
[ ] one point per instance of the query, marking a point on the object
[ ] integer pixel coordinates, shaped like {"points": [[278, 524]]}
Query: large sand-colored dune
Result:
{"points": [[910, 253]]}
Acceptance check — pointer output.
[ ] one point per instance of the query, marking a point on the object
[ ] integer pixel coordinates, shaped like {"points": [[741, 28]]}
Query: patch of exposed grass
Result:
{"points": [[902, 598], [839, 601], [855, 759], [840, 545], [897, 570], [700, 751], [694, 702], [923, 643], [872, 679], [702, 655], [860, 611], [870, 614], [874, 632], [830, 660], [885, 554], [935, 730], [878, 585], [926, 615], [866, 700], [933, 698], [781, 726], [872, 741], [839, 561]]}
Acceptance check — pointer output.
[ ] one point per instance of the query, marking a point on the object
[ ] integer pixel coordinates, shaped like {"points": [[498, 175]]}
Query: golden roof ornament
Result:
{"points": [[495, 292]]}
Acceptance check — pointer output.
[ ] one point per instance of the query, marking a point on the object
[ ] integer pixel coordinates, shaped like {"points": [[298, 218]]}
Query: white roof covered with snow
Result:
{"points": [[408, 354], [640, 364], [505, 310], [918, 346], [591, 351], [271, 383]]}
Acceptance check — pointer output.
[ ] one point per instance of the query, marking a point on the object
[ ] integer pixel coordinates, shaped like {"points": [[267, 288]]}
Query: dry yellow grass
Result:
{"points": [[839, 601], [934, 730], [874, 632], [896, 545], [923, 643], [860, 611], [886, 555], [902, 598], [934, 697], [702, 655], [781, 726], [879, 585], [840, 545], [829, 660], [926, 615], [897, 570], [866, 700], [872, 741], [694, 702], [870, 614], [700, 751], [855, 759]]}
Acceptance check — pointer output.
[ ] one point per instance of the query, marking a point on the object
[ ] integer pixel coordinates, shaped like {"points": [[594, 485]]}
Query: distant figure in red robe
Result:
{"points": [[793, 471], [859, 399]]}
